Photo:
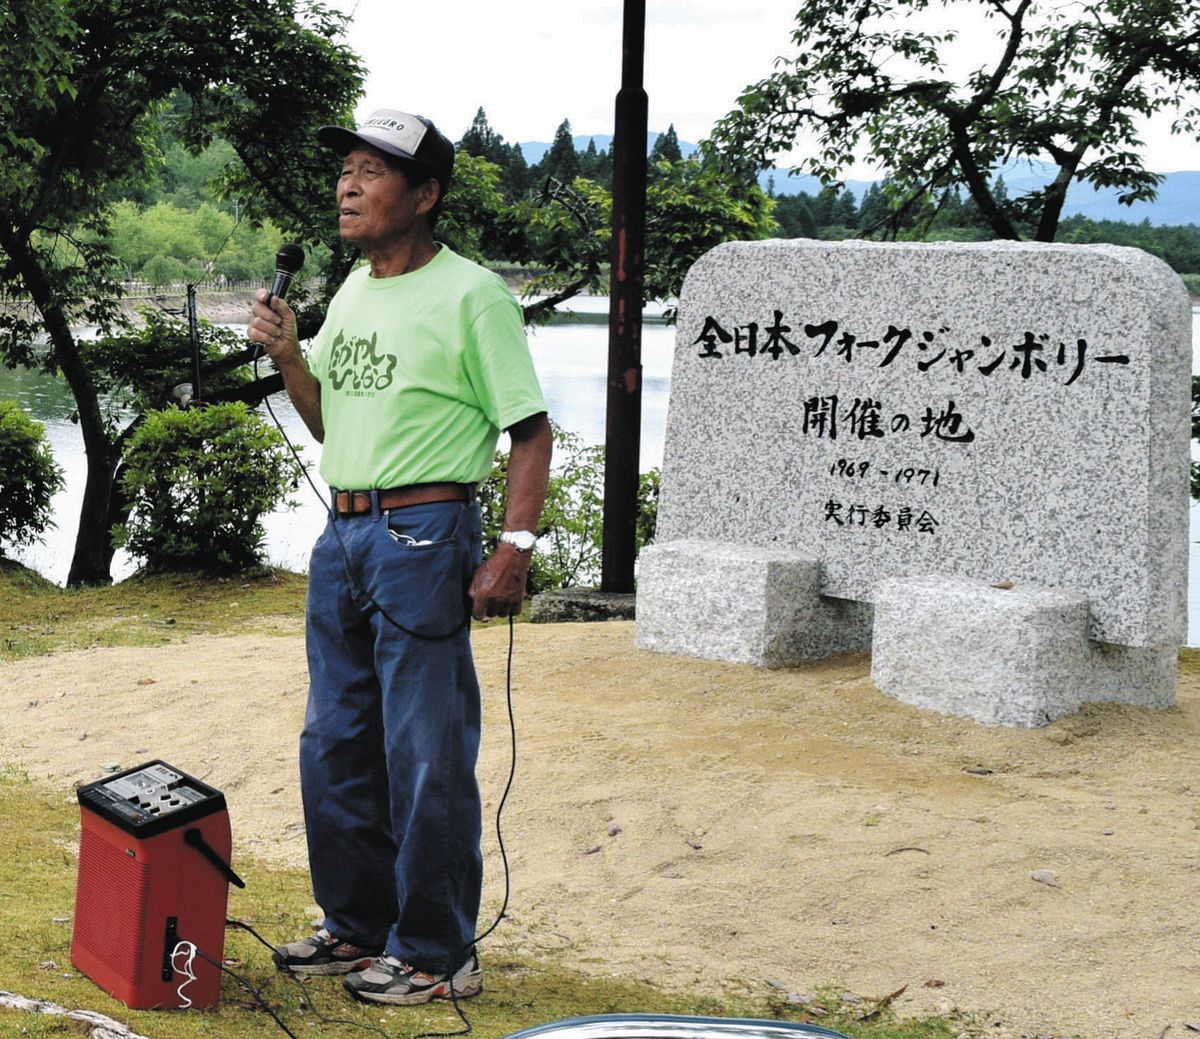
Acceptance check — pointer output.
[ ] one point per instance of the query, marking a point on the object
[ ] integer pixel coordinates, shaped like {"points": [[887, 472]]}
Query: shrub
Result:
{"points": [[570, 537], [198, 481], [29, 477], [164, 270]]}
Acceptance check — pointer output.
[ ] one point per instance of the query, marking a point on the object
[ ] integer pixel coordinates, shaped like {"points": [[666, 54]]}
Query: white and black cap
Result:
{"points": [[410, 137]]}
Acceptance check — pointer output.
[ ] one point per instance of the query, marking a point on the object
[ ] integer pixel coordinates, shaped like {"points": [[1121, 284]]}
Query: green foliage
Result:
{"points": [[596, 164], [565, 227], [199, 479], [88, 88], [1067, 80], [692, 206], [483, 142], [189, 180], [570, 538], [833, 214], [567, 231], [561, 161], [1177, 246], [138, 370], [666, 147], [477, 220], [165, 243], [29, 477]]}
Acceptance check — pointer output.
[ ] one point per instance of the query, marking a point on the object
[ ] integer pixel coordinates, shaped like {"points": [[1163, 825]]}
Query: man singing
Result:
{"points": [[422, 361]]}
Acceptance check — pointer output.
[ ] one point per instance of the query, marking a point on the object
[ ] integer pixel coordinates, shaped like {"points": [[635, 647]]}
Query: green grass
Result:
{"points": [[39, 834], [39, 617], [39, 830], [1189, 661]]}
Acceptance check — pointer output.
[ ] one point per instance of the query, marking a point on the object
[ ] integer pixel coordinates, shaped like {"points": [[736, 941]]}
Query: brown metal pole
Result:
{"points": [[623, 425]]}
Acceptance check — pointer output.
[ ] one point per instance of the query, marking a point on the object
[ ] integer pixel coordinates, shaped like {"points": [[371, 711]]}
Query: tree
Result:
{"points": [[561, 162], [86, 85], [570, 532], [596, 165], [1066, 81], [483, 142], [205, 241], [874, 210], [691, 207], [666, 147], [795, 216], [29, 477], [200, 480]]}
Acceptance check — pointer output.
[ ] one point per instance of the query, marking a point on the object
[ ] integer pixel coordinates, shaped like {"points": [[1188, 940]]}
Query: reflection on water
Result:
{"points": [[44, 398]]}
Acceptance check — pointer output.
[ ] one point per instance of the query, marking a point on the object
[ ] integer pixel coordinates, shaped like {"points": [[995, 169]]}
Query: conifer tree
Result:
{"points": [[666, 147], [561, 162]]}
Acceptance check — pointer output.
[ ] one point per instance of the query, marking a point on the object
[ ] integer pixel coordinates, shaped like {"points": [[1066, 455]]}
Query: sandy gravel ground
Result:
{"points": [[701, 824]]}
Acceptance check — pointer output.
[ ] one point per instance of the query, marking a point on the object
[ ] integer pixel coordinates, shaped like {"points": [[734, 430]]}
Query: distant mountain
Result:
{"points": [[535, 150], [1178, 201]]}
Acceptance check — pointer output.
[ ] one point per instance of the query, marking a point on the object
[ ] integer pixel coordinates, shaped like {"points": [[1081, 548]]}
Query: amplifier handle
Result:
{"points": [[195, 839]]}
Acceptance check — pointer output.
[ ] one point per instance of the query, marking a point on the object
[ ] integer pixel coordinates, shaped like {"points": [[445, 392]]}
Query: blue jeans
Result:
{"points": [[391, 735]]}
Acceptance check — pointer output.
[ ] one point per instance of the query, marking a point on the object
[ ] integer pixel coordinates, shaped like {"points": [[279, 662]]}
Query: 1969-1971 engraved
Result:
{"points": [[849, 469]]}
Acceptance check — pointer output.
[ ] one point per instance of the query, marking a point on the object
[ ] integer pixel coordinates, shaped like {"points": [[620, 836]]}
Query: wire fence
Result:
{"points": [[144, 290]]}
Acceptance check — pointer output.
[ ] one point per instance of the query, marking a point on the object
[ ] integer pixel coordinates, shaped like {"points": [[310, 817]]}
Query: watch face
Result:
{"points": [[523, 540]]}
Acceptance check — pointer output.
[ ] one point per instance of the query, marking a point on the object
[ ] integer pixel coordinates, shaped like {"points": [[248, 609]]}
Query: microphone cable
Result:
{"points": [[468, 949], [364, 593], [331, 516]]}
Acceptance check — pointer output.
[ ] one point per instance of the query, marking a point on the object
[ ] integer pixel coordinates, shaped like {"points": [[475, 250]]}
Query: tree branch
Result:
{"points": [[1005, 64], [99, 1026], [535, 310], [977, 183]]}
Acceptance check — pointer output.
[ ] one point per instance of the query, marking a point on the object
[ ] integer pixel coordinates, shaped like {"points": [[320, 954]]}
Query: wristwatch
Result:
{"points": [[521, 540]]}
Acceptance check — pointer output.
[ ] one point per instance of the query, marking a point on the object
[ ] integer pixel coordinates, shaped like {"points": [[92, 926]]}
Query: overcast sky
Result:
{"points": [[532, 63]]}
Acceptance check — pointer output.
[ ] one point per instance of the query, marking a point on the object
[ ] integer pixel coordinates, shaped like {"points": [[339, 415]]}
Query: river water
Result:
{"points": [[571, 361]]}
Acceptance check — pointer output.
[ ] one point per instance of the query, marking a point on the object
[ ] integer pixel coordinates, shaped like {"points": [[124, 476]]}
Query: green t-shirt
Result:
{"points": [[419, 373]]}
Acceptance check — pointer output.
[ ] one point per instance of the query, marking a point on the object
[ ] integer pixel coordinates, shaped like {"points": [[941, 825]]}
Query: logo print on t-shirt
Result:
{"points": [[357, 367]]}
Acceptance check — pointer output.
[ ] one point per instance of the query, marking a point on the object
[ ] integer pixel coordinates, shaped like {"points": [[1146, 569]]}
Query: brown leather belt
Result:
{"points": [[356, 503]]}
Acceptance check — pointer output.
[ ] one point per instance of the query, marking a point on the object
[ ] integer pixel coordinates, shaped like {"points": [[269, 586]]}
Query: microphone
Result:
{"points": [[288, 261]]}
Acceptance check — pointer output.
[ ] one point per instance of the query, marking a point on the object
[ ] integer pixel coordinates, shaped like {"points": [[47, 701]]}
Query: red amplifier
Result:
{"points": [[154, 871]]}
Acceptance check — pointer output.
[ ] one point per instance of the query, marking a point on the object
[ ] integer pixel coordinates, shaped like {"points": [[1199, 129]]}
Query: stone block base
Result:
{"points": [[1020, 656], [740, 603], [581, 604]]}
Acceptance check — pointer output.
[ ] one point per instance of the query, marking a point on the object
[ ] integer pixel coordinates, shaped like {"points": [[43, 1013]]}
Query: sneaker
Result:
{"points": [[389, 980], [323, 953]]}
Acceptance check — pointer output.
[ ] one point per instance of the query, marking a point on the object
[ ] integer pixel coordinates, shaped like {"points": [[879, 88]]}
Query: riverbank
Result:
{"points": [[713, 827], [232, 307]]}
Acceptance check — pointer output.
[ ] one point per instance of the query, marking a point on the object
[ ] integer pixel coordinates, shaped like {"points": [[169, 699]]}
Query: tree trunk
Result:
{"points": [[90, 563], [1053, 200], [93, 550], [977, 182]]}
